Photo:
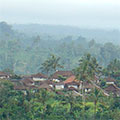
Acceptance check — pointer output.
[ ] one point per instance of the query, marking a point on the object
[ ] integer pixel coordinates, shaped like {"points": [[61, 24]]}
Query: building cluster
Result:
{"points": [[62, 80]]}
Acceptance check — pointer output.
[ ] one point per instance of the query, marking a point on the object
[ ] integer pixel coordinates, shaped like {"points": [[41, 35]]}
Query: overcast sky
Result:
{"points": [[83, 13]]}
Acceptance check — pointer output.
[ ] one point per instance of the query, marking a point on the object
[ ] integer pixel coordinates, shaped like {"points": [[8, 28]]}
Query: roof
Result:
{"points": [[96, 78], [73, 83], [72, 88], [27, 81], [70, 79], [22, 87], [62, 73], [112, 88], [47, 82], [117, 75], [59, 83], [39, 75], [3, 74], [45, 85], [109, 79], [88, 85], [15, 80]]}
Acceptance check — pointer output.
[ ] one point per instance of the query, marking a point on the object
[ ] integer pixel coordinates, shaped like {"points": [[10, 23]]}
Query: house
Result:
{"points": [[15, 82], [73, 82], [37, 78], [70, 79], [96, 79], [59, 86], [4, 75], [110, 80], [24, 88], [87, 86], [58, 75], [27, 82], [47, 82], [45, 86], [112, 88], [24, 85]]}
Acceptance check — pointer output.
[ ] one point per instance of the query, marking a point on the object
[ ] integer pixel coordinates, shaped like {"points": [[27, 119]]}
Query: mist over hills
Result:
{"points": [[100, 35], [25, 47]]}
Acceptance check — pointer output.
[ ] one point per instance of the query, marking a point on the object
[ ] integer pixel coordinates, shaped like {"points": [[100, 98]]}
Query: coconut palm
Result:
{"points": [[51, 64], [96, 96], [113, 67], [87, 69]]}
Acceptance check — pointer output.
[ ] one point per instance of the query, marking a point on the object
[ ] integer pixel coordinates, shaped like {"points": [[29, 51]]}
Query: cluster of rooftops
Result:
{"points": [[61, 80]]}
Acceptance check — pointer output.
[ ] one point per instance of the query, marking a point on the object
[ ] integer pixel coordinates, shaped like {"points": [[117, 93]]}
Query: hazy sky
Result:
{"points": [[85, 13]]}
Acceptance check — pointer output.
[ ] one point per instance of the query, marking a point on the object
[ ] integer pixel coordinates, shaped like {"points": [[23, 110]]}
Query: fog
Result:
{"points": [[82, 13]]}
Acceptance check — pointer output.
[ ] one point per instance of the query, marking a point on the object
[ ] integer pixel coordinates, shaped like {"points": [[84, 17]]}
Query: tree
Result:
{"points": [[95, 97], [86, 71], [113, 67], [51, 64]]}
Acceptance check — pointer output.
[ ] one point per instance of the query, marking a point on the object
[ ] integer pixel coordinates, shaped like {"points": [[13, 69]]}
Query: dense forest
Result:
{"points": [[24, 48]]}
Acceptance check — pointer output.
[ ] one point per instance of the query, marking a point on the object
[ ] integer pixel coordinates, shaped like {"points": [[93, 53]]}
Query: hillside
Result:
{"points": [[100, 35], [25, 51]]}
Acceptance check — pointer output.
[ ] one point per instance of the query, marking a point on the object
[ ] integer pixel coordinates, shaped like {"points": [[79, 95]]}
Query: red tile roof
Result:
{"points": [[70, 79]]}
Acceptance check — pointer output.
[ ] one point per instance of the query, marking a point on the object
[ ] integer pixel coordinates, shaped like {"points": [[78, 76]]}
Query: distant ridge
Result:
{"points": [[100, 35]]}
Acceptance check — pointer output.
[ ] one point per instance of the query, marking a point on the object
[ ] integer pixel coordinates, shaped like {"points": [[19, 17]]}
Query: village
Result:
{"points": [[63, 81]]}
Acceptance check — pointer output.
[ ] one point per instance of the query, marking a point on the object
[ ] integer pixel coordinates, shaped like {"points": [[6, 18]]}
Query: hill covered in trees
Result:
{"points": [[100, 35], [25, 47]]}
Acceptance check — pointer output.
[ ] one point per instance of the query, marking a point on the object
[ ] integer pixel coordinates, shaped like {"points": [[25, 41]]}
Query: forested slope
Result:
{"points": [[24, 53]]}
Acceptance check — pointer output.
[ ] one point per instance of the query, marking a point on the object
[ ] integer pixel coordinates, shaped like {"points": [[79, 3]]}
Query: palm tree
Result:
{"points": [[113, 67], [51, 64], [87, 69], [95, 96]]}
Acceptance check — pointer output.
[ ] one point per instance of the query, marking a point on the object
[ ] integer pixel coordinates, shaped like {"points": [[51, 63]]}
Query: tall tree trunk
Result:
{"points": [[95, 106], [83, 99]]}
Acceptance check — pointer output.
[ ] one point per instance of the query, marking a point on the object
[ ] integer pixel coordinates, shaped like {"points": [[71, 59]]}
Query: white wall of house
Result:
{"points": [[51, 85], [3, 77], [33, 84], [56, 80], [59, 87], [80, 86], [87, 90], [108, 83], [38, 79], [74, 86]]}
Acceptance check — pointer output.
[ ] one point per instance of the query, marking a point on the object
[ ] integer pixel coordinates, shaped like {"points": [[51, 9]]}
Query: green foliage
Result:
{"points": [[60, 77], [51, 64], [103, 83], [88, 68], [42, 104], [24, 53]]}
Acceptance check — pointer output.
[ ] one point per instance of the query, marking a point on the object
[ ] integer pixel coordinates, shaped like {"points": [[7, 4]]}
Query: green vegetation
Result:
{"points": [[25, 53], [47, 105]]}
